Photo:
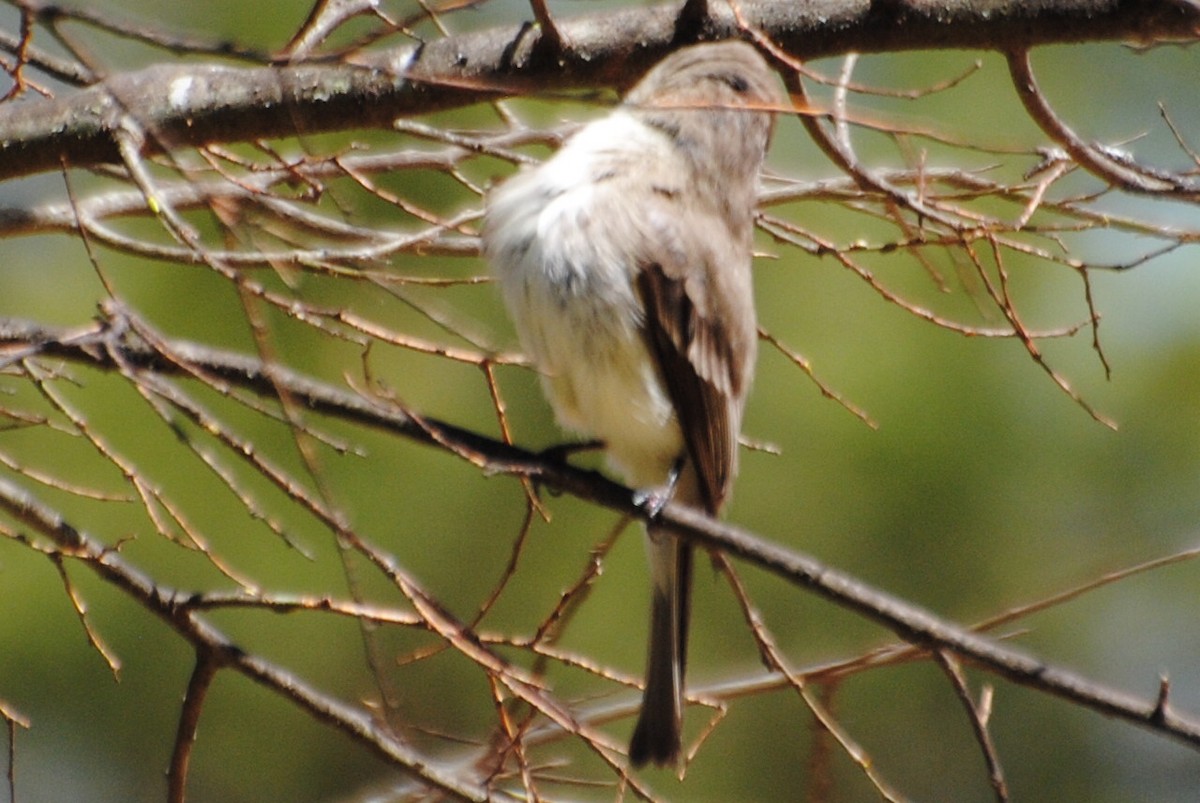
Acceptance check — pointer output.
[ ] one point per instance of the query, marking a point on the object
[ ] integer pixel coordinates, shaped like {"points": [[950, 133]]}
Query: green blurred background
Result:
{"points": [[983, 487]]}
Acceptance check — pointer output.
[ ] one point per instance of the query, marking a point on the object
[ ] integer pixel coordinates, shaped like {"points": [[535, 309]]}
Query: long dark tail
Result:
{"points": [[658, 735]]}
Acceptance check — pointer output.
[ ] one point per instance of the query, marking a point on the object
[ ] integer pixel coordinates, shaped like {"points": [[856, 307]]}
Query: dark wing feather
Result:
{"points": [[696, 364]]}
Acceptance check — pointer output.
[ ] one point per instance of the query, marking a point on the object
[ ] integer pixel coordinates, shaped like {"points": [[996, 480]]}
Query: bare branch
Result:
{"points": [[189, 720], [978, 713], [1107, 164], [173, 609]]}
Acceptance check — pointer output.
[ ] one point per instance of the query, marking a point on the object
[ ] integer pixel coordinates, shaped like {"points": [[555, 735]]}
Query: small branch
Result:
{"points": [[12, 719], [774, 660], [552, 40], [172, 608], [1104, 164], [189, 720], [979, 714]]}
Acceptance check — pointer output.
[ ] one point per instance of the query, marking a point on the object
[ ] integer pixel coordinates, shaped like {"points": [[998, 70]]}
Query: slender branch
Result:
{"points": [[979, 713], [189, 105], [1108, 166], [172, 607], [189, 720], [96, 345], [256, 186]]}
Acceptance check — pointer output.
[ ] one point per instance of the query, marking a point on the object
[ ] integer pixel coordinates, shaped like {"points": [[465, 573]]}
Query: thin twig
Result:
{"points": [[978, 714]]}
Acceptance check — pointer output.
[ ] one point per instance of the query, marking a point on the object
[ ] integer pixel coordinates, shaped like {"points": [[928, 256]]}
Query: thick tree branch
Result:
{"points": [[107, 347], [190, 105]]}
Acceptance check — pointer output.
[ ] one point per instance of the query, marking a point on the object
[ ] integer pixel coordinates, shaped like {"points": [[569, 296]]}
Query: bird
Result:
{"points": [[624, 261]]}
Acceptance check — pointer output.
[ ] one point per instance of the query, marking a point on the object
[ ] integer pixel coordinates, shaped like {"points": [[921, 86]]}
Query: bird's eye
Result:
{"points": [[732, 80], [737, 83]]}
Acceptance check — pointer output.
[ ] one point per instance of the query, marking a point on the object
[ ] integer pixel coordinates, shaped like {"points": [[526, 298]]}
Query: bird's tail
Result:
{"points": [[658, 735]]}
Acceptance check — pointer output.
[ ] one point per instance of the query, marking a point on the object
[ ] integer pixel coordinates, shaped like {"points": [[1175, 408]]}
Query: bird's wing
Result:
{"points": [[702, 337]]}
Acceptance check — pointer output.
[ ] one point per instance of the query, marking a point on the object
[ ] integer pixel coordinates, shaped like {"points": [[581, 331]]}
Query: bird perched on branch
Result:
{"points": [[624, 261]]}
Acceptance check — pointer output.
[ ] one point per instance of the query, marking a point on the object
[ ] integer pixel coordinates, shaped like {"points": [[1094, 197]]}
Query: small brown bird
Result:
{"points": [[624, 262]]}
